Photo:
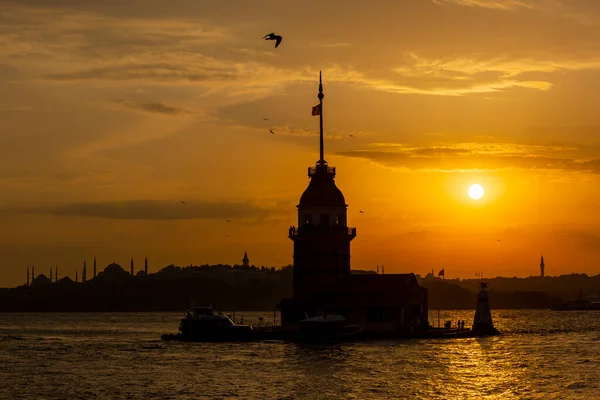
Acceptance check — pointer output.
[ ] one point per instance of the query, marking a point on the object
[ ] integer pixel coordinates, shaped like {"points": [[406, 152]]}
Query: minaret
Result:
{"points": [[146, 265], [94, 266], [84, 272], [322, 238], [28, 275], [76, 277], [51, 273], [32, 273], [245, 260], [131, 268], [542, 266], [377, 269], [382, 269], [56, 273]]}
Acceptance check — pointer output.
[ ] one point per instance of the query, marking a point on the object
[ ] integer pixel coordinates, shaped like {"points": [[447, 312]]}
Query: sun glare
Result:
{"points": [[476, 191]]}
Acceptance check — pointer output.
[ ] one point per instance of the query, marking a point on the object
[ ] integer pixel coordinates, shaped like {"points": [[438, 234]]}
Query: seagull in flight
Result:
{"points": [[361, 211], [351, 135], [271, 130], [266, 119], [182, 202], [273, 36]]}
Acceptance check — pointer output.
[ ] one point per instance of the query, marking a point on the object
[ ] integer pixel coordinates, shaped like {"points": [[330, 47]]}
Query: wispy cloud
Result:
{"points": [[85, 47], [499, 4], [149, 210], [466, 67], [153, 107], [470, 156]]}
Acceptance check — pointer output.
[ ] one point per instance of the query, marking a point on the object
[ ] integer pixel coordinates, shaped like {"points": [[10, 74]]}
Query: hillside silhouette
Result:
{"points": [[242, 287]]}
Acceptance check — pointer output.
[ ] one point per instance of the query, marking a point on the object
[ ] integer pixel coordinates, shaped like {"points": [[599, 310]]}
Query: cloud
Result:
{"points": [[150, 210], [151, 107], [332, 45], [500, 4], [470, 156], [468, 67], [92, 48]]}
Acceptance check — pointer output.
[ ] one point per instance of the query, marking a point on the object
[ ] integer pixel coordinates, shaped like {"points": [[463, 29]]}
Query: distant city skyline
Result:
{"points": [[30, 270], [144, 129]]}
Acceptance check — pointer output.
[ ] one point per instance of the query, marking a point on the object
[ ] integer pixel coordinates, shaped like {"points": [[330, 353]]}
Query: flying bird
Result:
{"points": [[271, 130], [266, 119], [228, 220], [182, 202], [273, 36], [351, 135], [361, 211]]}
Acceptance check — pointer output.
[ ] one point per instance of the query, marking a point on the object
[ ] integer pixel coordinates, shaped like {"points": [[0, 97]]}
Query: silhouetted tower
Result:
{"points": [[76, 277], [245, 260], [542, 266], [94, 266], [56, 273], [322, 238], [28, 275], [131, 268], [50, 273], [32, 273], [84, 272], [382, 269]]}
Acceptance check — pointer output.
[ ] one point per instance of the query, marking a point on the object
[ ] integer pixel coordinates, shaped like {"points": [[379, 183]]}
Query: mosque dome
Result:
{"points": [[41, 280], [114, 267], [113, 271]]}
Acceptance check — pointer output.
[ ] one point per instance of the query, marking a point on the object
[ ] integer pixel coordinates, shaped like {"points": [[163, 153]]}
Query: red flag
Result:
{"points": [[316, 110]]}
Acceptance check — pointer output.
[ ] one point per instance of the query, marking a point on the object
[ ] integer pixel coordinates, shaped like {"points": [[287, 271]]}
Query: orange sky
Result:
{"points": [[112, 112]]}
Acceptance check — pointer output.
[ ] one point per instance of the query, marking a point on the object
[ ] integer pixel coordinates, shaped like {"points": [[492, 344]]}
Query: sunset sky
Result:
{"points": [[112, 112]]}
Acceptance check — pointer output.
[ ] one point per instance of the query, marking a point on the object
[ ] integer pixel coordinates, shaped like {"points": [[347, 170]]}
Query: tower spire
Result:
{"points": [[320, 96]]}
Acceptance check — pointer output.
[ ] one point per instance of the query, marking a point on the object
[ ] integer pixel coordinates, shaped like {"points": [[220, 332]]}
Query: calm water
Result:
{"points": [[543, 354]]}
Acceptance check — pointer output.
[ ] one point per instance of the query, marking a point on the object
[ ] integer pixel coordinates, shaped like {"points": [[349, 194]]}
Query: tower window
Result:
{"points": [[307, 219]]}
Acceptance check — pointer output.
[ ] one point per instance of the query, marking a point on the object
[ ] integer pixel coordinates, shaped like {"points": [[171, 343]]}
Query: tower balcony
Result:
{"points": [[309, 230], [313, 170]]}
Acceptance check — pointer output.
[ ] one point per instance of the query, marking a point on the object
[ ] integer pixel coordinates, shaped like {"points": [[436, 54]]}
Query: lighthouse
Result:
{"points": [[322, 237]]}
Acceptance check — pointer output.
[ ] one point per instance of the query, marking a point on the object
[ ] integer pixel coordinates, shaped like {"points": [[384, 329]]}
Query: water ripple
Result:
{"points": [[542, 355]]}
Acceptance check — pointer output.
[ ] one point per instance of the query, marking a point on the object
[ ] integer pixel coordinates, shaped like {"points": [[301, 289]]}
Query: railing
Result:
{"points": [[313, 170], [309, 229]]}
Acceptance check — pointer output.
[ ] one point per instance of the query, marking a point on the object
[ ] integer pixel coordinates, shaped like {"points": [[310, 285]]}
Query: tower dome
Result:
{"points": [[321, 190]]}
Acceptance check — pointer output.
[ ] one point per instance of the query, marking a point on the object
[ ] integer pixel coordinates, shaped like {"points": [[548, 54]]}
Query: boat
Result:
{"points": [[327, 326], [201, 324], [583, 304]]}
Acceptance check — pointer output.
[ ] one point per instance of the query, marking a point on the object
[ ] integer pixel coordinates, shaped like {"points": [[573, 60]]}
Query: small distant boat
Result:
{"points": [[589, 303], [327, 326], [201, 324]]}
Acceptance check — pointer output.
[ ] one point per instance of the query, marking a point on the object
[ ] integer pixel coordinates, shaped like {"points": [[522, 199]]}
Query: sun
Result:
{"points": [[476, 191]]}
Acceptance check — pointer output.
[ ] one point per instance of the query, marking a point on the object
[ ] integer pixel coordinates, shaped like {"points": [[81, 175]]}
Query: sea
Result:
{"points": [[541, 354]]}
